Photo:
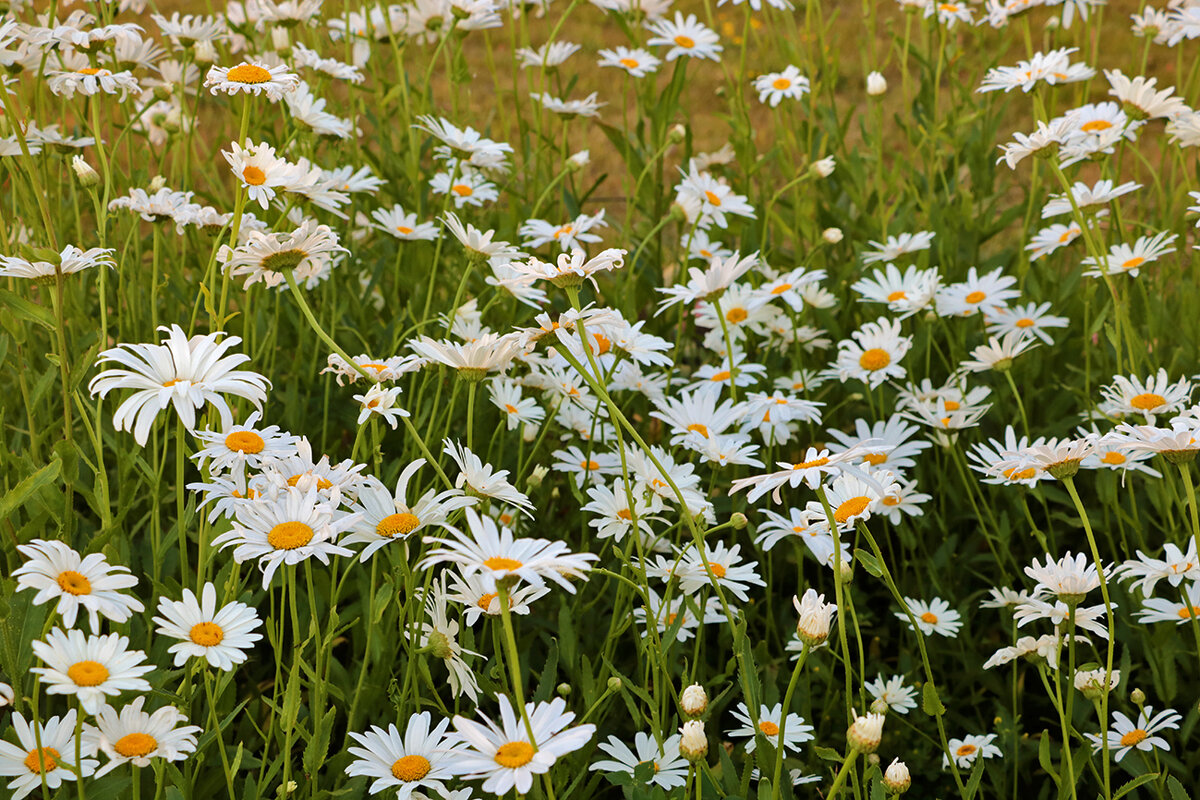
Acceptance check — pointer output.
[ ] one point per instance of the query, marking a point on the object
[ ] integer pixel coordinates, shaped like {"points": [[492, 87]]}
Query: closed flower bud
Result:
{"points": [[614, 684], [677, 134], [694, 701], [879, 706], [156, 183], [824, 167], [896, 778], [537, 476], [832, 235], [564, 690], [814, 617], [204, 52], [738, 521], [529, 433], [694, 744], [279, 40], [866, 733], [84, 172], [1138, 697], [876, 84]]}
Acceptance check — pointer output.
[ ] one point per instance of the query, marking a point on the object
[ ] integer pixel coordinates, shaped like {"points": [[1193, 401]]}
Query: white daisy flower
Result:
{"points": [[90, 667], [28, 765], [637, 62], [1125, 734], [243, 444], [791, 734], [896, 246], [969, 748], [222, 636], [421, 759], [900, 698], [252, 77], [686, 36], [670, 769], [54, 570], [934, 616], [873, 353], [133, 736], [773, 87]]}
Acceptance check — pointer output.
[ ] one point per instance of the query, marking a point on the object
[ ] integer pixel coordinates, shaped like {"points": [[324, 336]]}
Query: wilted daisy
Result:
{"points": [[133, 736], [252, 77], [670, 769], [90, 667], [52, 763], [286, 528], [773, 87], [54, 570], [308, 251], [502, 754], [770, 721], [72, 259], [483, 480], [438, 636], [934, 616], [181, 371], [421, 759], [223, 636], [1125, 734]]}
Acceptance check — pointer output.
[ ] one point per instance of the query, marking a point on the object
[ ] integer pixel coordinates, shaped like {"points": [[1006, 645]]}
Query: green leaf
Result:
{"points": [[24, 309], [643, 772], [1044, 757], [1136, 782], [931, 704], [869, 562], [1176, 789], [26, 488], [976, 777]]}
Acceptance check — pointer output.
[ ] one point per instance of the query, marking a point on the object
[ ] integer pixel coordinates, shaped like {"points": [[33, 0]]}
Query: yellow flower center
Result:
{"points": [[1189, 611], [781, 83], [1095, 126], [929, 617], [975, 297], [45, 760], [1067, 236], [736, 315], [899, 294], [781, 288], [289, 535], [1019, 475], [1133, 263], [462, 190], [816, 462], [629, 63], [248, 73], [953, 405], [254, 176], [1134, 737], [322, 483], [723, 375], [135, 745], [514, 754], [712, 198], [403, 230], [685, 41], [485, 601], [206, 634], [90, 71], [564, 230], [949, 8], [769, 728], [698, 428], [1147, 401], [718, 570], [590, 466], [510, 408], [500, 562], [966, 750], [1025, 323], [397, 524], [411, 768], [245, 442], [891, 500], [603, 343], [87, 673], [874, 359], [625, 513], [1113, 457], [852, 507], [74, 583], [875, 459]]}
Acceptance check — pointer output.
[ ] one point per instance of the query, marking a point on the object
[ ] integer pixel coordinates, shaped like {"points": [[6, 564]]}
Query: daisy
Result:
{"points": [[92, 80], [482, 479], [1050, 239], [1175, 443], [854, 497], [478, 594], [419, 760], [998, 354], [1133, 396], [615, 509], [548, 56], [503, 755], [243, 444], [1000, 461], [949, 13], [900, 698], [637, 62], [1102, 193], [905, 293], [568, 236], [1155, 609], [896, 246], [134, 736], [258, 169], [266, 257], [185, 372], [773, 87], [405, 226], [72, 259], [332, 481], [685, 36], [506, 396], [1088, 618], [1175, 566], [709, 283], [1029, 318], [570, 269], [706, 200], [1044, 141], [904, 502], [584, 466], [29, 765], [1053, 68], [286, 528], [934, 616], [380, 402], [873, 354], [1123, 259], [977, 293], [464, 144], [439, 637], [1044, 649], [670, 770], [724, 565], [250, 76], [385, 516], [1139, 96], [90, 667], [384, 369], [893, 435], [1125, 734], [488, 353], [1069, 578], [494, 551], [222, 636], [969, 748], [54, 570], [793, 734], [587, 107], [467, 186]]}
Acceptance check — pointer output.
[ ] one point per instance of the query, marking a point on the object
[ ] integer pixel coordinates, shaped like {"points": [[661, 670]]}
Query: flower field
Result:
{"points": [[614, 399]]}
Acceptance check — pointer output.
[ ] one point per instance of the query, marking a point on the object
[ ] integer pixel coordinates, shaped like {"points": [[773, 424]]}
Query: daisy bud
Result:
{"points": [[879, 706], [694, 744], [287, 788], [678, 213], [876, 84], [866, 733], [1138, 697], [536, 476], [824, 168], [1053, 23], [677, 134], [832, 235], [173, 122], [564, 690], [873, 759], [204, 52], [847, 570], [84, 172], [738, 521], [578, 161], [529, 433], [1091, 682], [156, 183], [814, 618], [694, 700], [614, 684], [896, 779]]}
